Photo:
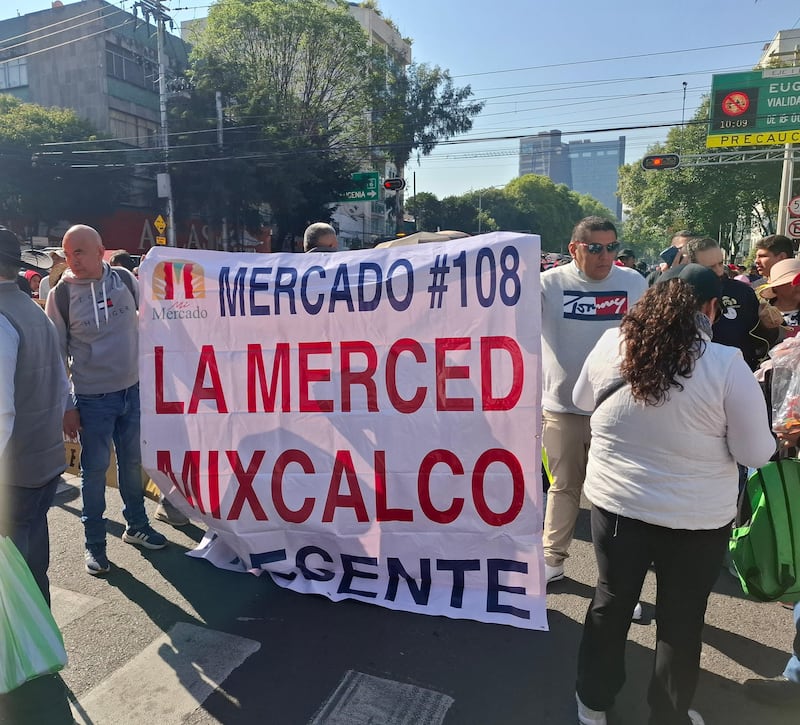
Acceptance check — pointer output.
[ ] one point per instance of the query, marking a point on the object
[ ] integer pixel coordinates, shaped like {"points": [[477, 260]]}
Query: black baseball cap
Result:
{"points": [[627, 252], [705, 283]]}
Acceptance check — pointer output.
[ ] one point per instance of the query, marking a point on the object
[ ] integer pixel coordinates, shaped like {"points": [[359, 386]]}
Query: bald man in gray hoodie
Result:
{"points": [[94, 310]]}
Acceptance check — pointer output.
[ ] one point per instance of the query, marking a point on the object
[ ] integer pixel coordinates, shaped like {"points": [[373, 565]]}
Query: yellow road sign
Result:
{"points": [[161, 241], [160, 224]]}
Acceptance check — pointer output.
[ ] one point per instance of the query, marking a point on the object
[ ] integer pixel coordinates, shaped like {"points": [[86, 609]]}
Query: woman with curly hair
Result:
{"points": [[673, 414]]}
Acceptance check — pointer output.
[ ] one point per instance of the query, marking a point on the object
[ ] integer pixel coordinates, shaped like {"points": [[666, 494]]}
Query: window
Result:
{"points": [[122, 64], [14, 73], [132, 129]]}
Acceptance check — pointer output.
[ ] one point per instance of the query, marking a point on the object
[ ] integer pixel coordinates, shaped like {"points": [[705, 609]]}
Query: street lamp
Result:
{"points": [[480, 203]]}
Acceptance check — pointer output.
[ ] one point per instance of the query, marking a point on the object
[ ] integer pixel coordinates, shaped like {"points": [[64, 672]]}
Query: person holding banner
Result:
{"points": [[673, 413], [94, 309], [320, 237], [580, 301]]}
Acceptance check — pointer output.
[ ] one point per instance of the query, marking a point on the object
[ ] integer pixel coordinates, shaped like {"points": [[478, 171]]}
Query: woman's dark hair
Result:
{"points": [[661, 341]]}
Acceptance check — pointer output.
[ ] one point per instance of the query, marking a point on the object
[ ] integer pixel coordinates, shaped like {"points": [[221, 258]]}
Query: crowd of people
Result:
{"points": [[649, 407]]}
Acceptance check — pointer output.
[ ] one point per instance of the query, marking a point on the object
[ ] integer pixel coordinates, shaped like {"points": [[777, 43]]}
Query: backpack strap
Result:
{"points": [[61, 293]]}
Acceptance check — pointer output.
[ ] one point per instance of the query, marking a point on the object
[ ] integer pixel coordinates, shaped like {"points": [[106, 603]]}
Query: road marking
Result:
{"points": [[361, 699], [168, 680], [68, 606]]}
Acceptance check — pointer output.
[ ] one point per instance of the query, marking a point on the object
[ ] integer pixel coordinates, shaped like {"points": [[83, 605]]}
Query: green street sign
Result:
{"points": [[758, 108], [365, 187]]}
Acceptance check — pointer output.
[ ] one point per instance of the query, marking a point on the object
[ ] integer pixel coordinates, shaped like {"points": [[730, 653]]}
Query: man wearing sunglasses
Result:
{"points": [[580, 301]]}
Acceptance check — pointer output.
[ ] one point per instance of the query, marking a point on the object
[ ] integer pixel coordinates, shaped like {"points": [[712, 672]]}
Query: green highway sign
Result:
{"points": [[757, 108], [365, 187]]}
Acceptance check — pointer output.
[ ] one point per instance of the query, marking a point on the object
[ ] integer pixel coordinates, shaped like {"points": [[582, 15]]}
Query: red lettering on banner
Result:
{"points": [[382, 510], [207, 364], [498, 455], [489, 344], [350, 378], [344, 490], [245, 481], [424, 486], [163, 406], [343, 464], [399, 403], [293, 516], [446, 372], [255, 369], [309, 375]]}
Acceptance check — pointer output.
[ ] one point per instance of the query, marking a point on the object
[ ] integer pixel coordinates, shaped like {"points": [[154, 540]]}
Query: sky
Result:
{"points": [[580, 66]]}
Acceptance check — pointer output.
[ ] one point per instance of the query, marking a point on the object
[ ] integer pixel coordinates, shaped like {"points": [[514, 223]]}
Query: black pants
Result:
{"points": [[686, 564], [23, 518]]}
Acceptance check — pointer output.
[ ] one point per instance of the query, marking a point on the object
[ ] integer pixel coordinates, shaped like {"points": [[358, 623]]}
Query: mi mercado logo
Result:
{"points": [[178, 285]]}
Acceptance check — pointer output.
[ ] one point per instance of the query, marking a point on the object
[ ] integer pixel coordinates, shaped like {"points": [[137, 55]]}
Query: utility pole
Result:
{"points": [[155, 9]]}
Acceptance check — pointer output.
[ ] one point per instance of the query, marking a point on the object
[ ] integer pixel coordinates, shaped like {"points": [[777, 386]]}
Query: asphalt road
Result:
{"points": [[171, 639]]}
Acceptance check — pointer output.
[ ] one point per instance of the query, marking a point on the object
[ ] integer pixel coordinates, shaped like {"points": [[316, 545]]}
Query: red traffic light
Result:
{"points": [[394, 184], [657, 162]]}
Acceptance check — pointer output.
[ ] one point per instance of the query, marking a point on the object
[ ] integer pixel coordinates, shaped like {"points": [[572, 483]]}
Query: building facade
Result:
{"points": [[588, 167], [92, 57]]}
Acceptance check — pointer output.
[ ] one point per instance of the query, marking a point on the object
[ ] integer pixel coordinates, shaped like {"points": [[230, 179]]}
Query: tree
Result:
{"points": [[532, 204], [721, 201], [415, 107], [293, 74], [49, 183]]}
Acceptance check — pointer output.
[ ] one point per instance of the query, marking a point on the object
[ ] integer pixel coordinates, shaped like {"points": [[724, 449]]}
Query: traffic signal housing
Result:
{"points": [[394, 184], [656, 162]]}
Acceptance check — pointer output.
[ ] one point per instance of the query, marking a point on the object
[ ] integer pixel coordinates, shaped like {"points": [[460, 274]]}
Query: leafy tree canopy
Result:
{"points": [[530, 203], [49, 188]]}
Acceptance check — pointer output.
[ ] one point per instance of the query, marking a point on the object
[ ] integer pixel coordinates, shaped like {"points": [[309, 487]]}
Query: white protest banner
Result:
{"points": [[361, 425]]}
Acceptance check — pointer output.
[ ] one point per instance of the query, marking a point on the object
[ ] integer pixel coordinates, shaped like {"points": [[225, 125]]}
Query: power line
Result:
{"points": [[3, 49], [53, 25], [606, 60]]}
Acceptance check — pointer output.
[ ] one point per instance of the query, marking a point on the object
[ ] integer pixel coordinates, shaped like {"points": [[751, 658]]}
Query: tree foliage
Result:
{"points": [[46, 184], [530, 203], [417, 106], [720, 201], [292, 76]]}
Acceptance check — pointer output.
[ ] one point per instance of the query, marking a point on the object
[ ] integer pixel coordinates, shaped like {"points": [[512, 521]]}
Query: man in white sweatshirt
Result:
{"points": [[580, 301]]}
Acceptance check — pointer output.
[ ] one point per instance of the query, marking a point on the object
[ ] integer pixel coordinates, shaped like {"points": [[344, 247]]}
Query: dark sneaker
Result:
{"points": [[96, 561], [167, 513], [775, 691], [146, 537]]}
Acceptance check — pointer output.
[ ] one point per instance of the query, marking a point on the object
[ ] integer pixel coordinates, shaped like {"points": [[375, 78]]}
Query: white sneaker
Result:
{"points": [[553, 573], [696, 718], [637, 612], [587, 716]]}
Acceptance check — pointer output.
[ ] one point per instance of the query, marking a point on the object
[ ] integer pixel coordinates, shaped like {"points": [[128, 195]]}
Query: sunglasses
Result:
{"points": [[595, 248]]}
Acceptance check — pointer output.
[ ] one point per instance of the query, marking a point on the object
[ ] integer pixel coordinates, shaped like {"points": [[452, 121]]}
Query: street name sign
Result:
{"points": [[757, 108], [365, 187]]}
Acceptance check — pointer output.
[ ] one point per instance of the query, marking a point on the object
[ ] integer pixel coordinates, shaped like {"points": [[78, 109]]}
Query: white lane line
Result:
{"points": [[68, 606], [361, 699], [168, 680]]}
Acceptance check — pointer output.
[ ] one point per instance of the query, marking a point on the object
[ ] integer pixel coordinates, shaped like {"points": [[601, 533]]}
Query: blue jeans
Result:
{"points": [[792, 671], [108, 417], [24, 521]]}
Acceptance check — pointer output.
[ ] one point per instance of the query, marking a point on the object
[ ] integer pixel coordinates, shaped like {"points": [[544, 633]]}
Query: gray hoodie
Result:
{"points": [[101, 347]]}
